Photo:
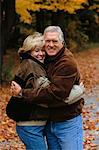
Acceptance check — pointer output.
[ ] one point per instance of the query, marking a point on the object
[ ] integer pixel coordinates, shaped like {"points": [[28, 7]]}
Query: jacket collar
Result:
{"points": [[49, 59], [28, 56]]}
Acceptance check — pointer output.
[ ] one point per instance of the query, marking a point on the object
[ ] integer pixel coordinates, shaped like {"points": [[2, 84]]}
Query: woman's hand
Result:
{"points": [[15, 89]]}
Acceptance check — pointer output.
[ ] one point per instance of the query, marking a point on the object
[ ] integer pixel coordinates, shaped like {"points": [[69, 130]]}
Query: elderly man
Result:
{"points": [[64, 127]]}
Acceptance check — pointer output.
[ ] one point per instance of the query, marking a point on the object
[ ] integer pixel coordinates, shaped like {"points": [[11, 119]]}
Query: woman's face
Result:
{"points": [[38, 53]]}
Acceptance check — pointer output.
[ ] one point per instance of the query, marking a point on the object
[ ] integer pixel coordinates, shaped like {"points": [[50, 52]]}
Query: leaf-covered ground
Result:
{"points": [[88, 62]]}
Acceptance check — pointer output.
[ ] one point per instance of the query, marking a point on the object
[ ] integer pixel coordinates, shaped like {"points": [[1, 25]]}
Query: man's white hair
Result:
{"points": [[31, 41], [55, 29]]}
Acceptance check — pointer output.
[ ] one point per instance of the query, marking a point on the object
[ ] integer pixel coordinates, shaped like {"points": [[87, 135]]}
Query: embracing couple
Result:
{"points": [[46, 100]]}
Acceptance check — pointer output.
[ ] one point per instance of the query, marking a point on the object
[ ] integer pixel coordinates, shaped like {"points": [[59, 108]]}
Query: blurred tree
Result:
{"points": [[23, 7], [7, 26], [48, 12], [89, 18], [70, 6], [58, 12]]}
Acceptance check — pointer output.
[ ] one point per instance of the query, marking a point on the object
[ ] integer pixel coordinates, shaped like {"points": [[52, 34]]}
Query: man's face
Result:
{"points": [[52, 43]]}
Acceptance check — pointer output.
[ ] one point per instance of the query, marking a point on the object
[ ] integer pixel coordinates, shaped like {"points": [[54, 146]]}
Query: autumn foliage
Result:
{"points": [[23, 7]]}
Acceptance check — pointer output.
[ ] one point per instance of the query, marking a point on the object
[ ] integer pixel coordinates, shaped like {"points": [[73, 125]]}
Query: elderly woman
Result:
{"points": [[30, 118]]}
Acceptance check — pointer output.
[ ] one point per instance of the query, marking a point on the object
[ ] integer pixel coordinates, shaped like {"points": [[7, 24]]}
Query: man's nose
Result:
{"points": [[51, 43]]}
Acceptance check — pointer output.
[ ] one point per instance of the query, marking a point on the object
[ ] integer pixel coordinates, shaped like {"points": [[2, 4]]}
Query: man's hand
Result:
{"points": [[15, 89]]}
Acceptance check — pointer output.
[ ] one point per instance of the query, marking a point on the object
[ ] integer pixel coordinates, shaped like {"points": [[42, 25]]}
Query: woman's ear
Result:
{"points": [[21, 50]]}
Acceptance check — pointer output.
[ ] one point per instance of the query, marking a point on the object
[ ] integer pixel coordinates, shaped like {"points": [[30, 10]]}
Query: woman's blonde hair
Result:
{"points": [[31, 41]]}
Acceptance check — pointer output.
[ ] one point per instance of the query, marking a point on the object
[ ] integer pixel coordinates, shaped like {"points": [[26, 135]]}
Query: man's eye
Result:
{"points": [[48, 41], [54, 41]]}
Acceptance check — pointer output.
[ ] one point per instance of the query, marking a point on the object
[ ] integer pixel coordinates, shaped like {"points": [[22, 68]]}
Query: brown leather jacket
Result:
{"points": [[62, 71], [27, 74]]}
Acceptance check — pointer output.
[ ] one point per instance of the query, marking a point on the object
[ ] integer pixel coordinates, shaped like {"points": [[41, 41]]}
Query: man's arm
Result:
{"points": [[61, 84]]}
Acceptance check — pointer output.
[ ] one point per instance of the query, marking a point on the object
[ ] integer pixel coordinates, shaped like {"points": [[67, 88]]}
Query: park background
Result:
{"points": [[79, 20]]}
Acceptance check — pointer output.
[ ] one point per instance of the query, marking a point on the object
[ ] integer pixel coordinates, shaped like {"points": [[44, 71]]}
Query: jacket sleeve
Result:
{"points": [[23, 74], [56, 92]]}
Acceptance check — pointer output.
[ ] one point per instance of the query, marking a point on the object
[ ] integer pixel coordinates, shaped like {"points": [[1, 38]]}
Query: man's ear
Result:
{"points": [[64, 43]]}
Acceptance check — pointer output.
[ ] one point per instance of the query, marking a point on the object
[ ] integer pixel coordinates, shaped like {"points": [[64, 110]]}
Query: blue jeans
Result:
{"points": [[66, 135], [32, 137]]}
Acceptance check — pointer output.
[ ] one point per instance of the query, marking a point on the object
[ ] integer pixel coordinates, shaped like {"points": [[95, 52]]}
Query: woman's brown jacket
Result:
{"points": [[28, 72]]}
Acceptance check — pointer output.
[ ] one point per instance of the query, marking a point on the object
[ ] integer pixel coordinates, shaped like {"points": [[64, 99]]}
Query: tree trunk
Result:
{"points": [[40, 19], [7, 20]]}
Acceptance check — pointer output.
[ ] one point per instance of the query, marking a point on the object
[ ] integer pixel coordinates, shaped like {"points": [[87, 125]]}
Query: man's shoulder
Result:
{"points": [[67, 62], [68, 53], [67, 57]]}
